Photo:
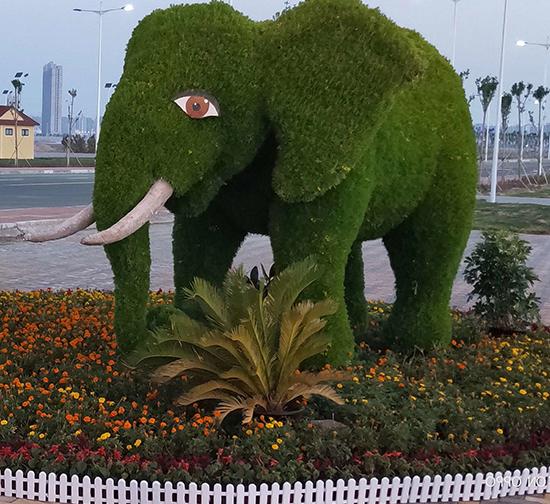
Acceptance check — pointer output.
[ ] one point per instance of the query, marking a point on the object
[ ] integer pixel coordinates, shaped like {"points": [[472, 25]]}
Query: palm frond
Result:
{"points": [[287, 286], [247, 380], [252, 355], [239, 295], [327, 375], [174, 369], [306, 391], [213, 389], [247, 406], [211, 302]]}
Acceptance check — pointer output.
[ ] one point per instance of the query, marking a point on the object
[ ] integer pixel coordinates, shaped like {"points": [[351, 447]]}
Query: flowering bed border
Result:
{"points": [[85, 490]]}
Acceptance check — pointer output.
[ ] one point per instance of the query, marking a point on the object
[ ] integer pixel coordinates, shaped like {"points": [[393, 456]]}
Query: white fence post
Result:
{"points": [[481, 487]]}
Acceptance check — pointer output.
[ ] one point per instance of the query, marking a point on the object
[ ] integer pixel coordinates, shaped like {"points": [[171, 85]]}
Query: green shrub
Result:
{"points": [[502, 281], [244, 345]]}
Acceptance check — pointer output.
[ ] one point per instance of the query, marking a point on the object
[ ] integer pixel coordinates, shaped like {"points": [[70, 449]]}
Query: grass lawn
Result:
{"points": [[528, 219], [537, 192], [49, 162]]}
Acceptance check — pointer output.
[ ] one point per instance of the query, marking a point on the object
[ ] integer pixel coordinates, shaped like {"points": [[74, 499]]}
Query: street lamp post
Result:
{"points": [[100, 13], [455, 17], [494, 169], [546, 46]]}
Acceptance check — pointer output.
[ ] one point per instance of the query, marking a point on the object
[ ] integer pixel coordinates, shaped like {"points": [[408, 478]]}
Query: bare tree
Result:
{"points": [[540, 94], [18, 89], [486, 89], [521, 92], [72, 93]]}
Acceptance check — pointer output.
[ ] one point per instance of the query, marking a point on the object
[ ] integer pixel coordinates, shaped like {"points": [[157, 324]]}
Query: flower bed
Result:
{"points": [[70, 406]]}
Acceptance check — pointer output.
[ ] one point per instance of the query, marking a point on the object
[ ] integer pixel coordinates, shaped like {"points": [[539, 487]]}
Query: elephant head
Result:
{"points": [[202, 88]]}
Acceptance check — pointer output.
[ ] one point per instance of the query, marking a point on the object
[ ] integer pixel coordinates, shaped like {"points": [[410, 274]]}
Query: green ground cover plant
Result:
{"points": [[69, 405], [50, 162], [527, 219]]}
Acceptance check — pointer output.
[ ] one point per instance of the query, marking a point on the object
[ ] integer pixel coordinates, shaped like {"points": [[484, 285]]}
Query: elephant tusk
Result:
{"points": [[142, 213], [69, 227]]}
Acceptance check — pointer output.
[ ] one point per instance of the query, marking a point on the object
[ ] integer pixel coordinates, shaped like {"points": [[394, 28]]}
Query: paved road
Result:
{"points": [[45, 190], [67, 264]]}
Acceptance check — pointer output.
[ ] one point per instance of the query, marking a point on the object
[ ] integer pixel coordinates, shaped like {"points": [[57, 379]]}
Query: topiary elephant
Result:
{"points": [[324, 128]]}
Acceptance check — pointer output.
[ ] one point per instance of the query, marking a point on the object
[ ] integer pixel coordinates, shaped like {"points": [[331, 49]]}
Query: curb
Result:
{"points": [[46, 171]]}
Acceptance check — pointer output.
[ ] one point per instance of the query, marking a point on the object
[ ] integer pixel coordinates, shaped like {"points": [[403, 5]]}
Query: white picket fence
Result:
{"points": [[76, 490]]}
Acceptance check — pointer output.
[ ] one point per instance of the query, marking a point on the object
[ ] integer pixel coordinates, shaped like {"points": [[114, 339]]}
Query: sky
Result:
{"points": [[37, 31]]}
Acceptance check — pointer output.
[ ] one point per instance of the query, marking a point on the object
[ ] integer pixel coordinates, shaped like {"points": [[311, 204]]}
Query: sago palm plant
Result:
{"points": [[244, 347]]}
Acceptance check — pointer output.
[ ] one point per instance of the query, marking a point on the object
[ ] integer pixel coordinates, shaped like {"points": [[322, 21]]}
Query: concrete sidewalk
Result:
{"points": [[519, 200], [66, 264]]}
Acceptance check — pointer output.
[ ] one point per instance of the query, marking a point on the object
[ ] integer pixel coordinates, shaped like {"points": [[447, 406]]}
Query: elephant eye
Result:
{"points": [[198, 106]]}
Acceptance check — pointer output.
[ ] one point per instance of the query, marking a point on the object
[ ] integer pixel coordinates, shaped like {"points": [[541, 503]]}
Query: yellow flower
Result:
{"points": [[104, 436], [274, 446], [101, 400], [249, 432], [41, 436], [78, 432], [129, 447], [32, 433], [340, 386], [355, 379], [413, 398], [523, 392], [137, 443], [4, 422], [500, 432], [279, 441], [75, 395], [269, 425]]}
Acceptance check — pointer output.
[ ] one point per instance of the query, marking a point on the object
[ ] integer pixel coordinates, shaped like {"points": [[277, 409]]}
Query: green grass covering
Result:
{"points": [[527, 219], [49, 162], [535, 192], [334, 129]]}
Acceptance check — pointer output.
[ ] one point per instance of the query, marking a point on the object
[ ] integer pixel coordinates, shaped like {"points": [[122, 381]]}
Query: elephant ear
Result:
{"points": [[332, 68]]}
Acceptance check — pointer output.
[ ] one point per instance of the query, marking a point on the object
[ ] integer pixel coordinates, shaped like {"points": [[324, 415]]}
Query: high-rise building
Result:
{"points": [[52, 102]]}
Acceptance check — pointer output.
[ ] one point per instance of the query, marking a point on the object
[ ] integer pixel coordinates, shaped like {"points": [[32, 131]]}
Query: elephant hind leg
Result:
{"points": [[355, 290], [425, 253]]}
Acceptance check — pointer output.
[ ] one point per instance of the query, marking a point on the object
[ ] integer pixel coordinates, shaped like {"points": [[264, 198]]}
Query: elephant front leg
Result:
{"points": [[325, 229], [203, 247], [131, 263]]}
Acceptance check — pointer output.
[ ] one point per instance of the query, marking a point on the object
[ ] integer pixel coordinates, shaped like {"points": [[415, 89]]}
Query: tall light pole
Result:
{"points": [[455, 18], [100, 13], [523, 43], [494, 169], [546, 46]]}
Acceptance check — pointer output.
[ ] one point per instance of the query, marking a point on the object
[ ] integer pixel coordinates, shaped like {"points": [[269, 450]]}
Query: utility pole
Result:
{"points": [[72, 93], [455, 16], [494, 169], [100, 13]]}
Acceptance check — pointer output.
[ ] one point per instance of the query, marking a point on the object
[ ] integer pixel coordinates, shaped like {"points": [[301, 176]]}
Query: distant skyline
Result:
{"points": [[48, 30], [52, 99]]}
